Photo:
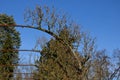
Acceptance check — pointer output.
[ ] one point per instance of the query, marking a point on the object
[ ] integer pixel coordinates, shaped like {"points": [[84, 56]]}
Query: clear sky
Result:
{"points": [[100, 17]]}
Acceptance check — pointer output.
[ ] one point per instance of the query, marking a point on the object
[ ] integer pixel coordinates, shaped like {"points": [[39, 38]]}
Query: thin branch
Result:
{"points": [[18, 73], [114, 73], [2, 65], [16, 50], [26, 78]]}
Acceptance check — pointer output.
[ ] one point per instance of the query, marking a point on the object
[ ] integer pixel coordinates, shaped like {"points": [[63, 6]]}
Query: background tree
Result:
{"points": [[9, 40], [115, 73], [100, 66]]}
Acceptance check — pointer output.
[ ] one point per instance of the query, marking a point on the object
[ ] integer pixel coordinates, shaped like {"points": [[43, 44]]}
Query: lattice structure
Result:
{"points": [[22, 71]]}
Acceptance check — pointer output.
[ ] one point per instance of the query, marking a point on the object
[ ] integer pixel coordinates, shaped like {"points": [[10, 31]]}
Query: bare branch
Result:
{"points": [[114, 73]]}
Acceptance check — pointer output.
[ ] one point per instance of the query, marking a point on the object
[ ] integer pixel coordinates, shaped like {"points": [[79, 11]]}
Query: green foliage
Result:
{"points": [[9, 40], [8, 20], [57, 62]]}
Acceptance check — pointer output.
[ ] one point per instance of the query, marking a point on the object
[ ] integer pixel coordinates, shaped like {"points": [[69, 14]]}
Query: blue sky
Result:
{"points": [[99, 17]]}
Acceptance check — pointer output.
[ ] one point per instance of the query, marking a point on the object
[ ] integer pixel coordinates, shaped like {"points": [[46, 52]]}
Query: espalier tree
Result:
{"points": [[9, 40], [69, 55]]}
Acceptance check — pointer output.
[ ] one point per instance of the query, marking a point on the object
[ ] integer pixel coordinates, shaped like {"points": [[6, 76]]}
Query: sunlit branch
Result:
{"points": [[33, 27]]}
